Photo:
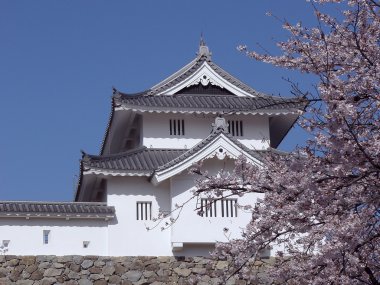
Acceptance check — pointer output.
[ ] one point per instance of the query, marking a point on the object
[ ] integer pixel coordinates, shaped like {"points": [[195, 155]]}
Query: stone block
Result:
{"points": [[37, 275], [133, 275], [73, 275], [99, 263], [114, 279], [3, 272], [119, 269], [48, 281], [58, 265], [182, 271], [24, 282], [52, 272], [95, 270], [84, 282], [28, 260], [87, 263], [12, 262], [108, 270]]}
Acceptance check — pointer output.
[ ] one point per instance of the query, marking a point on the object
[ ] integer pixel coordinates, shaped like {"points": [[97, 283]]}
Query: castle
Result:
{"points": [[199, 113]]}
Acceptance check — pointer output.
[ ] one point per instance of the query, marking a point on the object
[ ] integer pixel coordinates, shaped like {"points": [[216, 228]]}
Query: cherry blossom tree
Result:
{"points": [[321, 203]]}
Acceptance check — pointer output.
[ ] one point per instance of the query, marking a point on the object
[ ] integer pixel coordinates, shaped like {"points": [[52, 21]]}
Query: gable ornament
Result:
{"points": [[220, 124]]}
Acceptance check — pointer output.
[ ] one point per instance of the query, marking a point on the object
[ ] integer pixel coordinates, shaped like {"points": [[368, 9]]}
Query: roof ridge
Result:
{"points": [[131, 151], [55, 202], [184, 69]]}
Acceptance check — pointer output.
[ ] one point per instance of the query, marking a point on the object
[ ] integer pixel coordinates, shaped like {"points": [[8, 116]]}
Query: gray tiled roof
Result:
{"points": [[207, 103], [191, 68], [56, 209], [204, 143], [140, 160], [147, 160]]}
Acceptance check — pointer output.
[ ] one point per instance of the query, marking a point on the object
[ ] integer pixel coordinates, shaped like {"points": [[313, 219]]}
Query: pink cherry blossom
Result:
{"points": [[322, 202]]}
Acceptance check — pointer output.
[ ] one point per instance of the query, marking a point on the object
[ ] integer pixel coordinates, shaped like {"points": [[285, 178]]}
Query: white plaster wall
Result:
{"points": [[192, 228], [197, 127], [127, 235], [66, 237]]}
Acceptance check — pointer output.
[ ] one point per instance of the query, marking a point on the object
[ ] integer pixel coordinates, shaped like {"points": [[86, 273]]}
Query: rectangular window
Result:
{"points": [[235, 128], [177, 127], [46, 235], [225, 208], [229, 209], [144, 211], [208, 207]]}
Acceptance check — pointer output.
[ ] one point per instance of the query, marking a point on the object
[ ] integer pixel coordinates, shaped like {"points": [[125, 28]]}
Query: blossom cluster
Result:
{"points": [[322, 202]]}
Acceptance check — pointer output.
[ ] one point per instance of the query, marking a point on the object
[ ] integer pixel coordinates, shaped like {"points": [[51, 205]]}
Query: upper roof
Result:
{"points": [[196, 103], [205, 77], [203, 86], [66, 210]]}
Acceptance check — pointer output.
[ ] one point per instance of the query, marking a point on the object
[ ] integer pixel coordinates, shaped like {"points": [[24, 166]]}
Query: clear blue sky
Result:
{"points": [[60, 59]]}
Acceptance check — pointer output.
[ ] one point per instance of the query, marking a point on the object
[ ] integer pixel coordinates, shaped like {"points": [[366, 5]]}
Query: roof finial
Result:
{"points": [[202, 42], [203, 49]]}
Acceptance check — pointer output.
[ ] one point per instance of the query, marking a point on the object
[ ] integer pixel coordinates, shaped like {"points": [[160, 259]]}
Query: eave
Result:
{"points": [[56, 210], [218, 144]]}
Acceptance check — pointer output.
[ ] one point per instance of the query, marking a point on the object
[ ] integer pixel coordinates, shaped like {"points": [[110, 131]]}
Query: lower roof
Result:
{"points": [[66, 210], [142, 160]]}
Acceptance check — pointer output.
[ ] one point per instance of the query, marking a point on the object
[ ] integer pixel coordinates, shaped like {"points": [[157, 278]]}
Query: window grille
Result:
{"points": [[46, 235], [225, 208], [235, 128], [144, 210], [177, 127], [208, 207], [228, 207]]}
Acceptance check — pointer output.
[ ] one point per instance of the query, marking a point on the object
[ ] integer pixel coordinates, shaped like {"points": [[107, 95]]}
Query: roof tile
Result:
{"points": [[91, 210]]}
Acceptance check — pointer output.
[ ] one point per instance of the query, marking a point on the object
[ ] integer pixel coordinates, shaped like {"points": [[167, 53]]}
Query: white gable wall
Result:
{"points": [[192, 228], [65, 238], [127, 235], [197, 127]]}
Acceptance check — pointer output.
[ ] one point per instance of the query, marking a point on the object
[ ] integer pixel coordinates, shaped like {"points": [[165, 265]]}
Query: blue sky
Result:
{"points": [[60, 59]]}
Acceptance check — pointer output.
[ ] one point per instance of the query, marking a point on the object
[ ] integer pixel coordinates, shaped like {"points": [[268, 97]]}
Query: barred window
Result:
{"points": [[228, 208], [225, 208], [235, 128], [177, 127], [144, 210], [46, 235], [208, 207]]}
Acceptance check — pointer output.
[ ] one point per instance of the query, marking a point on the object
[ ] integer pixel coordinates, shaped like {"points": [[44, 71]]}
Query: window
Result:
{"points": [[46, 235], [208, 207], [229, 208], [177, 127], [225, 208], [235, 128], [144, 210]]}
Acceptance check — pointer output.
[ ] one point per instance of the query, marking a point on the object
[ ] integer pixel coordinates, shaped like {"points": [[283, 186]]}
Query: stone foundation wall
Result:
{"points": [[87, 270]]}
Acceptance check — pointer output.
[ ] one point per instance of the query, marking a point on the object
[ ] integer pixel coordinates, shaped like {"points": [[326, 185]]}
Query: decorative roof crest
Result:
{"points": [[220, 124]]}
